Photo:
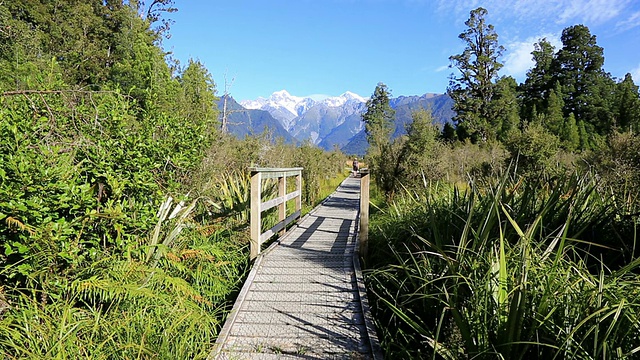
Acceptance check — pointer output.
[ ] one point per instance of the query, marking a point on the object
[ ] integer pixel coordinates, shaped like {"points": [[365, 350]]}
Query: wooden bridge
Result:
{"points": [[304, 297]]}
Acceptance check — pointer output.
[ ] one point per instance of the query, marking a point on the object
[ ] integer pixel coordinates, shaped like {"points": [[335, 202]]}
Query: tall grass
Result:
{"points": [[508, 270]]}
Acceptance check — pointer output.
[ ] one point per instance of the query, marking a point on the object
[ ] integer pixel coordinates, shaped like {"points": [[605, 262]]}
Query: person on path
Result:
{"points": [[356, 167]]}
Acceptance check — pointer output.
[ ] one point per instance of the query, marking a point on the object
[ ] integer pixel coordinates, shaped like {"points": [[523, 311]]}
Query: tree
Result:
{"points": [[554, 116], [449, 133], [378, 123], [578, 68], [585, 142], [504, 109], [473, 89], [154, 13], [570, 135], [378, 119], [422, 140], [198, 93], [534, 148], [539, 82], [626, 108]]}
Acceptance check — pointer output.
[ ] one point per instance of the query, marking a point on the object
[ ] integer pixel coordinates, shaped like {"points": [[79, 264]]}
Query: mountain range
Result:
{"points": [[330, 122]]}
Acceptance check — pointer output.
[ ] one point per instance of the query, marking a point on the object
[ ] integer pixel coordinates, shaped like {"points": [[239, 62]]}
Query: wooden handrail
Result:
{"points": [[364, 212], [257, 206]]}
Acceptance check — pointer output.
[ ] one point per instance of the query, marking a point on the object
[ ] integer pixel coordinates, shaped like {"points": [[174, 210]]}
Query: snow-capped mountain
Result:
{"points": [[282, 106], [337, 121], [321, 119], [288, 108], [338, 101]]}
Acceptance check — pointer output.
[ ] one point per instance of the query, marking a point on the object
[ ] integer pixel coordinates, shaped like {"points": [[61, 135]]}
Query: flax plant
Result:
{"points": [[505, 270]]}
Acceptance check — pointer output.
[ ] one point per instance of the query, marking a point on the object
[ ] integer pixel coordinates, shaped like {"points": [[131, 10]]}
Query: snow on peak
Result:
{"points": [[293, 104], [253, 104], [353, 96], [337, 101], [286, 107], [278, 100]]}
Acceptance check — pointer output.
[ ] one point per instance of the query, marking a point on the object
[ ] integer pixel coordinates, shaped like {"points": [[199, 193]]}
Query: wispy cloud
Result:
{"points": [[630, 22], [562, 11], [442, 68], [518, 58], [592, 11]]}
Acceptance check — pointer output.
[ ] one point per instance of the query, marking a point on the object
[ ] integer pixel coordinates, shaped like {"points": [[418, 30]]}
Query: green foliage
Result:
{"points": [[572, 81], [97, 130], [533, 149], [626, 106], [164, 296], [570, 135], [619, 165], [507, 270], [198, 95], [553, 118], [579, 69], [539, 82], [378, 119], [382, 154], [420, 149], [459, 161], [504, 110], [474, 89], [319, 167], [449, 133], [84, 174], [235, 156]]}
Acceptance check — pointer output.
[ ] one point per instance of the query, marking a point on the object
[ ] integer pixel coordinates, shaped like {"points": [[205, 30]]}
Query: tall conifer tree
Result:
{"points": [[473, 89]]}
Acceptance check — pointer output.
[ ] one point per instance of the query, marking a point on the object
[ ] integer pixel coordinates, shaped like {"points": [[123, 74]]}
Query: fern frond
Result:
{"points": [[14, 223]]}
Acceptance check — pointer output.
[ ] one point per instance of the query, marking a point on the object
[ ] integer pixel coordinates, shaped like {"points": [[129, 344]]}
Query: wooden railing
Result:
{"points": [[364, 212], [258, 206]]}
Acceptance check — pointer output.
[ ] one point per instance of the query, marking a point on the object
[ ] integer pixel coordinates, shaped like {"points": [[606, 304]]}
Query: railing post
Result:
{"points": [[256, 199], [299, 188], [282, 208], [364, 212]]}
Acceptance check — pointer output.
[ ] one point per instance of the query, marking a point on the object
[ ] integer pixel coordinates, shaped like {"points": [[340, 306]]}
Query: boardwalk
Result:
{"points": [[303, 297]]}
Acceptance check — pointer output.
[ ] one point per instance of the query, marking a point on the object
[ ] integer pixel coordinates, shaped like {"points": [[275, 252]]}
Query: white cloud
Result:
{"points": [[518, 58], [635, 74], [442, 68]]}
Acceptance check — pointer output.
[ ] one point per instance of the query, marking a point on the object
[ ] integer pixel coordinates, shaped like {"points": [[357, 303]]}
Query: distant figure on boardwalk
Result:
{"points": [[356, 167]]}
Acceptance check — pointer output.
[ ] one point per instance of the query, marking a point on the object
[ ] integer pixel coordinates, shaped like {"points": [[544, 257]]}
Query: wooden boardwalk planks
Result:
{"points": [[304, 298]]}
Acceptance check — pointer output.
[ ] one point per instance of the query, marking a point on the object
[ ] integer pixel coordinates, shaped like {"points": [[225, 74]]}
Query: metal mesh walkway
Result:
{"points": [[304, 298]]}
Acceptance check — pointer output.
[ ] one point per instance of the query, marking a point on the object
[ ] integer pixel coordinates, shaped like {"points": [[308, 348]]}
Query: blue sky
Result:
{"points": [[327, 47]]}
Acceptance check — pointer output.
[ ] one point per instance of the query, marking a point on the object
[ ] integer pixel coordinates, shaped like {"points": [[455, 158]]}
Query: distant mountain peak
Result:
{"points": [[354, 96], [282, 93], [290, 109], [281, 105], [338, 101]]}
